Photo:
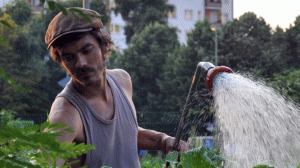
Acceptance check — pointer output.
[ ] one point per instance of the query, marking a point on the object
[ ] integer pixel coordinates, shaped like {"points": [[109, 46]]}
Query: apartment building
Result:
{"points": [[116, 27], [184, 17], [188, 12]]}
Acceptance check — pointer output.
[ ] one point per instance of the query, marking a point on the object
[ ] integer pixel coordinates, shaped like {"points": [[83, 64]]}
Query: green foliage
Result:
{"points": [[263, 166], [243, 42], [23, 146], [293, 45], [197, 158], [289, 85], [139, 13], [144, 60], [20, 123], [148, 161], [181, 64], [20, 11]]}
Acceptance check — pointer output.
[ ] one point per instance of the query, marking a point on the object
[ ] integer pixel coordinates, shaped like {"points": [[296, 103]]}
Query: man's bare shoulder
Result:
{"points": [[62, 111], [124, 79], [63, 108], [120, 74]]}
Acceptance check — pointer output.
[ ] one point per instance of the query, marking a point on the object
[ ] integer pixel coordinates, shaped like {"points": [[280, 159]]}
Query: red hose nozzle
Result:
{"points": [[212, 72]]}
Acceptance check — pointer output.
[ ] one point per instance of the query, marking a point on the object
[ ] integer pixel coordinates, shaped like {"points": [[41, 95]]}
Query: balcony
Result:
{"points": [[213, 4]]}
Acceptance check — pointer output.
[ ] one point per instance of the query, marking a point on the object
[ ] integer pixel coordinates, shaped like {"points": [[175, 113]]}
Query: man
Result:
{"points": [[97, 102]]}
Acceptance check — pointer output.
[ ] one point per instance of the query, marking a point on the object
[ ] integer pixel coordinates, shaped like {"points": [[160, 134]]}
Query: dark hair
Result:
{"points": [[102, 38]]}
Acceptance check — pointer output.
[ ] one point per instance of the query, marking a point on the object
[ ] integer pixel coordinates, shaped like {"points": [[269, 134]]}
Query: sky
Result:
{"points": [[275, 12]]}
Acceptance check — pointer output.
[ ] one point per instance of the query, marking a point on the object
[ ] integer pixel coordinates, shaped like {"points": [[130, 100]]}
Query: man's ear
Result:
{"points": [[107, 48]]}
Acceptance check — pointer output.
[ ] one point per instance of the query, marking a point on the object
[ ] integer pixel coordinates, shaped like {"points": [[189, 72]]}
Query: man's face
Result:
{"points": [[83, 60]]}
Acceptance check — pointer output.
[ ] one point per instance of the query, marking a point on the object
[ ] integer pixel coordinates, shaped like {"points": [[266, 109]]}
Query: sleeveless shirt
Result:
{"points": [[115, 140]]}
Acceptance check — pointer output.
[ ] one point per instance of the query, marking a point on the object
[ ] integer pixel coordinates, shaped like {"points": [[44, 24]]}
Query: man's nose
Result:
{"points": [[81, 61]]}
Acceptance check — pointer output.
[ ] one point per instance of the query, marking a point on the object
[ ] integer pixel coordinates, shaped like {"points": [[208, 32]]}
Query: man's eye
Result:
{"points": [[67, 57], [87, 50]]}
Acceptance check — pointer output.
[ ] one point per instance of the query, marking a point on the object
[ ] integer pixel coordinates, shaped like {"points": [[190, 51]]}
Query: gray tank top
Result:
{"points": [[115, 140]]}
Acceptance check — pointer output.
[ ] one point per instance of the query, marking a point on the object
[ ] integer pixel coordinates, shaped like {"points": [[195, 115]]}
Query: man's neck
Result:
{"points": [[98, 90]]}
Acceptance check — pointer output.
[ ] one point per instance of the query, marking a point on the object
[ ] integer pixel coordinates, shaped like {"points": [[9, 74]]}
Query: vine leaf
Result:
{"points": [[6, 24], [51, 5], [73, 10], [4, 43]]}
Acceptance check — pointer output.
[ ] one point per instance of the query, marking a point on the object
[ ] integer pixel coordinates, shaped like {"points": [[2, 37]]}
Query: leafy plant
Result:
{"points": [[31, 146], [148, 161], [197, 158], [263, 166]]}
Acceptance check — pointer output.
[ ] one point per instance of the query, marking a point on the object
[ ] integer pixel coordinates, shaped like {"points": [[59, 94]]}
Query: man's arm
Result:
{"points": [[63, 112], [153, 140], [147, 139]]}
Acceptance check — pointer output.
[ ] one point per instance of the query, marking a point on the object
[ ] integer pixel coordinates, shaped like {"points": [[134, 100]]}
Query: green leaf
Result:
{"points": [[80, 13], [51, 5], [73, 155], [42, 1], [4, 43], [45, 155], [75, 161], [63, 144], [6, 23], [57, 125], [53, 159], [172, 157], [35, 127], [70, 146], [79, 146], [44, 125], [62, 9]]}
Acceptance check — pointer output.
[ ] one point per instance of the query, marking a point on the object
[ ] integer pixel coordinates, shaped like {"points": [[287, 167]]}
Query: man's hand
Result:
{"points": [[168, 142]]}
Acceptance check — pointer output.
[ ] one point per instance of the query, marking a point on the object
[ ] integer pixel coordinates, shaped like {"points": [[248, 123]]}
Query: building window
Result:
{"points": [[188, 14], [219, 16], [114, 28], [111, 28], [199, 15], [117, 29], [172, 14], [112, 4]]}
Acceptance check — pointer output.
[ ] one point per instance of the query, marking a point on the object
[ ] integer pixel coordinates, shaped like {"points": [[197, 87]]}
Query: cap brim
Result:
{"points": [[73, 31]]}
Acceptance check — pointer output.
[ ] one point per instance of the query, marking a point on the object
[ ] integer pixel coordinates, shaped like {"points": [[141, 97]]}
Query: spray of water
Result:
{"points": [[256, 124]]}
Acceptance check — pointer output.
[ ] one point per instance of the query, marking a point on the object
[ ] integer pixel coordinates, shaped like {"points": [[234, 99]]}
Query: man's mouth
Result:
{"points": [[84, 72]]}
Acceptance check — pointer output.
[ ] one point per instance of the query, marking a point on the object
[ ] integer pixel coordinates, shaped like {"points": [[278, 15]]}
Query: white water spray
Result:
{"points": [[256, 124]]}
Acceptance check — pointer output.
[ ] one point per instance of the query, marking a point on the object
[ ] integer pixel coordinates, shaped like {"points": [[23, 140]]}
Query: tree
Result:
{"points": [[144, 60], [19, 10], [7, 56], [293, 47], [24, 71], [243, 41], [273, 58], [181, 65], [139, 13], [288, 85]]}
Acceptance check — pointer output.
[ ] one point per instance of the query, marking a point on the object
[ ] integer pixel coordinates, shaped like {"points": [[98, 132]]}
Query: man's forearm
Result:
{"points": [[150, 139]]}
